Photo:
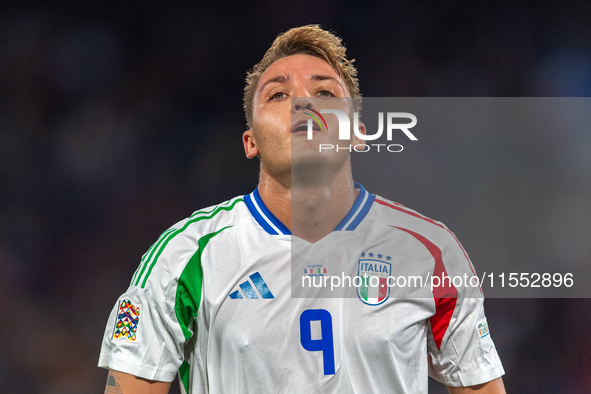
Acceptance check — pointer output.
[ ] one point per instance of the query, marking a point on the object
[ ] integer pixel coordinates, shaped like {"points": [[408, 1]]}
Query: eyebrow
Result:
{"points": [[323, 78], [327, 78], [279, 79], [285, 78]]}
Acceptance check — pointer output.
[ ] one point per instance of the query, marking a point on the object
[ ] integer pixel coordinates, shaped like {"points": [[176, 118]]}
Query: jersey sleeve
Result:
{"points": [[464, 353], [152, 321]]}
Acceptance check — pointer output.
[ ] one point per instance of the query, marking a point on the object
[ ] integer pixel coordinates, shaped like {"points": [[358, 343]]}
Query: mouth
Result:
{"points": [[301, 126]]}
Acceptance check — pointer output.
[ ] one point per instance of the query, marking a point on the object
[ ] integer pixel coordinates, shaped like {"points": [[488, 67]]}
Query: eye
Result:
{"points": [[278, 96], [325, 93]]}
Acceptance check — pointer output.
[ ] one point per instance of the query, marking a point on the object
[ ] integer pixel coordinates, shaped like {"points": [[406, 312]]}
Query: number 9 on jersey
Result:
{"points": [[325, 344]]}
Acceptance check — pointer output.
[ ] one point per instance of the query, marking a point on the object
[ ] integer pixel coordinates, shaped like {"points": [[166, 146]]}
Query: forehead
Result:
{"points": [[298, 66]]}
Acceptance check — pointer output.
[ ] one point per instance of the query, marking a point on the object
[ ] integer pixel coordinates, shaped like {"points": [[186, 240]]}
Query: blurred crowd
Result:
{"points": [[118, 121]]}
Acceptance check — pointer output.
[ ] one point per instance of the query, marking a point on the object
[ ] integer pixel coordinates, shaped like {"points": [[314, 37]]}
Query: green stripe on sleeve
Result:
{"points": [[142, 265], [188, 292], [151, 262], [184, 373], [147, 257]]}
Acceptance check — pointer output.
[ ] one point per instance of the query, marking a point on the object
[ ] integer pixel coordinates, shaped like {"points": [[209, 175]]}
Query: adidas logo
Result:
{"points": [[249, 292]]}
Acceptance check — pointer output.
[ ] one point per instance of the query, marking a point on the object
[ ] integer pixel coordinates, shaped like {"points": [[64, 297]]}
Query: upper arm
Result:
{"points": [[493, 387], [144, 336], [461, 351], [123, 383]]}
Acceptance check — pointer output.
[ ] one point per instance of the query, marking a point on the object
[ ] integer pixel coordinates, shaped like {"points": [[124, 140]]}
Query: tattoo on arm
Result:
{"points": [[113, 386]]}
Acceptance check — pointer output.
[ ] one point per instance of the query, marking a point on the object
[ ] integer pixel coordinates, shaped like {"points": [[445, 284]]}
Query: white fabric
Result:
{"points": [[254, 345]]}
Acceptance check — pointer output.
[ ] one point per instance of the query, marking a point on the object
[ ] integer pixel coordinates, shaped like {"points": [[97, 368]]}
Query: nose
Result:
{"points": [[298, 107], [300, 104]]}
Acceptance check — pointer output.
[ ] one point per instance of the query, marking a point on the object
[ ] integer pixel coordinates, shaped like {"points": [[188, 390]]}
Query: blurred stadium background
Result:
{"points": [[119, 119]]}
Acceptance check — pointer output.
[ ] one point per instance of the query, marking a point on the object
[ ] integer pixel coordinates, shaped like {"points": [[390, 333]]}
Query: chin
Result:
{"points": [[316, 167]]}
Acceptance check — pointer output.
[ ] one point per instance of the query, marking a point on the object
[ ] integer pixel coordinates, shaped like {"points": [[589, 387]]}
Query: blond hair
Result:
{"points": [[309, 40]]}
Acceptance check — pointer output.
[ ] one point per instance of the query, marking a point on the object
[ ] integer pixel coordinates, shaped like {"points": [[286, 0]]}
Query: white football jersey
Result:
{"points": [[212, 301]]}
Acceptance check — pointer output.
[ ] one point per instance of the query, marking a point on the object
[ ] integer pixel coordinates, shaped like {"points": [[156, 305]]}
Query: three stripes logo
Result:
{"points": [[252, 293]]}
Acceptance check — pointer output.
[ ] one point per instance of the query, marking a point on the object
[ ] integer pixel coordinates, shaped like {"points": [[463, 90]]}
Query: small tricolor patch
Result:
{"points": [[128, 320], [483, 330], [315, 270]]}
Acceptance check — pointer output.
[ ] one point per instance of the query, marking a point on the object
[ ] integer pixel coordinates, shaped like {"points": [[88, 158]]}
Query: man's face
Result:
{"points": [[277, 119]]}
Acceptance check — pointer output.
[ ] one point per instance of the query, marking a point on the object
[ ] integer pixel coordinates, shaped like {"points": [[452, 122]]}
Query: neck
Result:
{"points": [[311, 210]]}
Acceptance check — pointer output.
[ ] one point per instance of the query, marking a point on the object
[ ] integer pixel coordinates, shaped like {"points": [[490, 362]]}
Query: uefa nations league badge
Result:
{"points": [[374, 270], [127, 320]]}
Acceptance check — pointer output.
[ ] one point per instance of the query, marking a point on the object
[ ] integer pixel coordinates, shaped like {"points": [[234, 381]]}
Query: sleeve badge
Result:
{"points": [[483, 330], [127, 321]]}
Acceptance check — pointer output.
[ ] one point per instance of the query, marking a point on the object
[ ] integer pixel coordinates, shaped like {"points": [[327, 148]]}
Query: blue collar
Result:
{"points": [[273, 226]]}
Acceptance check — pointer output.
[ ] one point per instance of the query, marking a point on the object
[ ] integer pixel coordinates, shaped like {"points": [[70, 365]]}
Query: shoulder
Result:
{"points": [[211, 219], [397, 215], [435, 236], [175, 247]]}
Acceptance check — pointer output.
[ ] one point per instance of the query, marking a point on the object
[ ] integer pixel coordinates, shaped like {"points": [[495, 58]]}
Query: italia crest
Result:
{"points": [[374, 273]]}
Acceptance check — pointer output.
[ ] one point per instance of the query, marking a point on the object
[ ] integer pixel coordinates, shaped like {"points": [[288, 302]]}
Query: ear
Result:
{"points": [[359, 141], [250, 147]]}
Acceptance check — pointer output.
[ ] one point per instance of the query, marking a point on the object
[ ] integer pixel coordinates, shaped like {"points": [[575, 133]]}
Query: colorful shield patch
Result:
{"points": [[127, 322], [374, 281]]}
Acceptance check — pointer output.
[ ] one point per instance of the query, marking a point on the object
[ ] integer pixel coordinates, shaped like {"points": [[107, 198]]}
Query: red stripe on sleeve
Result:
{"points": [[403, 209], [445, 295]]}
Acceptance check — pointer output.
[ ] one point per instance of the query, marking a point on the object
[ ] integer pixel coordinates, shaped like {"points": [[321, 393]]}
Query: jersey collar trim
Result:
{"points": [[263, 216], [358, 211], [273, 226]]}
